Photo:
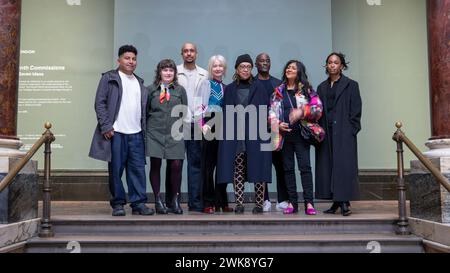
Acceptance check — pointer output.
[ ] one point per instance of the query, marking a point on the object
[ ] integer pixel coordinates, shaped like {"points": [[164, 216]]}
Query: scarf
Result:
{"points": [[165, 92]]}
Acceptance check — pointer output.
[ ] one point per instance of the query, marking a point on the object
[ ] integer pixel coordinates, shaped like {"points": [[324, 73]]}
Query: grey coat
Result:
{"points": [[107, 105], [159, 139]]}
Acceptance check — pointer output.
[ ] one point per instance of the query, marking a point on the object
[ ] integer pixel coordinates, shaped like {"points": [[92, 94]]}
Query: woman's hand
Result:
{"points": [[295, 115], [284, 127]]}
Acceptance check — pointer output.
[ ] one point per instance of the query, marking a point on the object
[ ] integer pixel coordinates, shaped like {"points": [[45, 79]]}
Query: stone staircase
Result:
{"points": [[88, 227]]}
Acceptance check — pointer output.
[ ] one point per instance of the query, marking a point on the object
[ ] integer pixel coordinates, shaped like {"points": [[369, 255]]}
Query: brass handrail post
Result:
{"points": [[46, 226], [402, 223]]}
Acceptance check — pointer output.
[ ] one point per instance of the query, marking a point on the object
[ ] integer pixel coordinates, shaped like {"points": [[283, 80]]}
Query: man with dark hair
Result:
{"points": [[190, 75], [269, 82], [120, 105]]}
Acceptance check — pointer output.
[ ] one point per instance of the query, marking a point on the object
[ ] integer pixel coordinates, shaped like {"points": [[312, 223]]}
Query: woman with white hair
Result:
{"points": [[212, 94]]}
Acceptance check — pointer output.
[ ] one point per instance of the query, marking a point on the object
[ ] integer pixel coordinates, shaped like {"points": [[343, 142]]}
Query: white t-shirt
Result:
{"points": [[129, 118]]}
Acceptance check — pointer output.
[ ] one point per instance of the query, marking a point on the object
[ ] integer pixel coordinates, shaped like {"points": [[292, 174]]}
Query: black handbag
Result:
{"points": [[308, 135]]}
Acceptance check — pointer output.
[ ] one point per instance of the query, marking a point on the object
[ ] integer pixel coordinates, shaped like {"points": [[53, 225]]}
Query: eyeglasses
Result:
{"points": [[245, 67]]}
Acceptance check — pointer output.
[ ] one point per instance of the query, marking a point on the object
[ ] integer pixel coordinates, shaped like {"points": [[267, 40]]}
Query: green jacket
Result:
{"points": [[160, 141]]}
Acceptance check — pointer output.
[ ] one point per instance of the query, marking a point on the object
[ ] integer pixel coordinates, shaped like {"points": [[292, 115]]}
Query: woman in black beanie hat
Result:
{"points": [[243, 59], [243, 158]]}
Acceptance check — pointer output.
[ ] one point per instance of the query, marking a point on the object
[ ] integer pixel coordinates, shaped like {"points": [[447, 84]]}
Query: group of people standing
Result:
{"points": [[222, 142]]}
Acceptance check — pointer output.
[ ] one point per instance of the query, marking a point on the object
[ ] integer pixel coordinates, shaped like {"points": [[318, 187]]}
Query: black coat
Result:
{"points": [[259, 163], [337, 169]]}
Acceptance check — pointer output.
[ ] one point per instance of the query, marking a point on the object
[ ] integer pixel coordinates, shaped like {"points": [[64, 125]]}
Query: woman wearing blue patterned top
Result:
{"points": [[212, 93]]}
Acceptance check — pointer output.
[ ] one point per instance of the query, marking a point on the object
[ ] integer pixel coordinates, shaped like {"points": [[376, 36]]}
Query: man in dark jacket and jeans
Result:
{"points": [[120, 105]]}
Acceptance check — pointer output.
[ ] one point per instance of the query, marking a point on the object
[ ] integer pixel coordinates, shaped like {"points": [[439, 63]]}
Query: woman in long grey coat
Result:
{"points": [[164, 94], [337, 155]]}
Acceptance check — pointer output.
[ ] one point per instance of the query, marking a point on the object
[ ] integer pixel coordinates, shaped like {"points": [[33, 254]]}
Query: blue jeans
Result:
{"points": [[193, 153], [127, 152]]}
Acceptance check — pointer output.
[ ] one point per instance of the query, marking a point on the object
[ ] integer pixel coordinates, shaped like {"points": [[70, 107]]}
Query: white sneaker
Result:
{"points": [[267, 206], [282, 206]]}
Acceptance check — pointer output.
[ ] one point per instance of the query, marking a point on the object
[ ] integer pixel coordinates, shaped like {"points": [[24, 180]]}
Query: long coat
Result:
{"points": [[337, 169], [107, 105], [259, 163], [160, 138]]}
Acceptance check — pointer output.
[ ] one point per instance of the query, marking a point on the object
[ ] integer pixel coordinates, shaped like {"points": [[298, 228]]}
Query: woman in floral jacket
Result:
{"points": [[294, 112]]}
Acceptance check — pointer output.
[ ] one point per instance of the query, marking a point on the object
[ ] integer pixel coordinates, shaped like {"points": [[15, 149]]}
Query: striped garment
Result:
{"points": [[215, 102]]}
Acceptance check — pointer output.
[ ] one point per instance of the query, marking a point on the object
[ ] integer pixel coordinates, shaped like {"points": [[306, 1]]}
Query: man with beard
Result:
{"points": [[189, 76]]}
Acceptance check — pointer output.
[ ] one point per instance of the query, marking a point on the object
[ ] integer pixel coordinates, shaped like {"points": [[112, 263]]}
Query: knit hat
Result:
{"points": [[243, 59]]}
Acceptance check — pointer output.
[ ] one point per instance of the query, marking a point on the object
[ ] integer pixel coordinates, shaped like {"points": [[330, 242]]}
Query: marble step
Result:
{"points": [[287, 243], [220, 224], [82, 185]]}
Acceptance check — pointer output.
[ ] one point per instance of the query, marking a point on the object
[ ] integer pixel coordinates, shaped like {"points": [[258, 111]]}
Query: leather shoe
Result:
{"points": [[142, 209], [209, 210], [159, 206], [118, 211], [239, 209], [257, 210], [345, 210], [311, 210], [333, 208], [176, 208]]}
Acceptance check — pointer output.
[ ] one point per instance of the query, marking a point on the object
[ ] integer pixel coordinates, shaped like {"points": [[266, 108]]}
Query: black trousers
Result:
{"points": [[277, 162], [295, 145], [214, 195]]}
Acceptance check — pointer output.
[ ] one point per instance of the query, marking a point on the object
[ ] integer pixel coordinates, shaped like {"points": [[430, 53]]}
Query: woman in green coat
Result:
{"points": [[164, 95]]}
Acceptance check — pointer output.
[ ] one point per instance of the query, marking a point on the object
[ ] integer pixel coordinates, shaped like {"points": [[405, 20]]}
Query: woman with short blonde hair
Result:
{"points": [[212, 92]]}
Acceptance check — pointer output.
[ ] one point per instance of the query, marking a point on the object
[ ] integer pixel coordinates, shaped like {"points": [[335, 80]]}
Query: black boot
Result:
{"points": [[333, 208], [159, 205], [345, 209], [176, 208], [239, 209]]}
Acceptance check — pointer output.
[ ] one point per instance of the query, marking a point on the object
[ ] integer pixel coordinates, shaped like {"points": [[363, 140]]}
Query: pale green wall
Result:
{"points": [[80, 38], [387, 49]]}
